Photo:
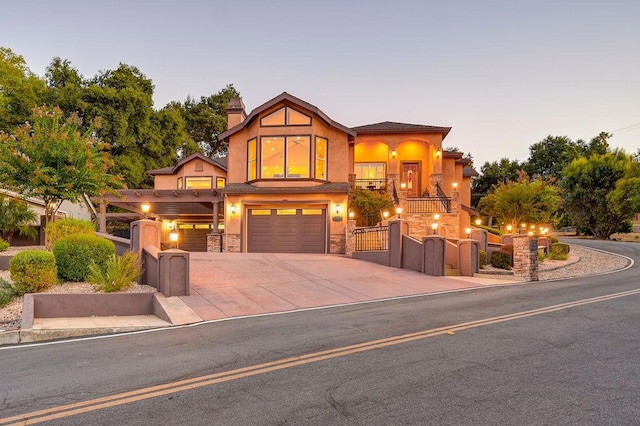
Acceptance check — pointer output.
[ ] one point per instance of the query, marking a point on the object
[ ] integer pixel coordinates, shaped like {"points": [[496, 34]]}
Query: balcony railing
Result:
{"points": [[372, 184], [372, 238], [428, 205]]}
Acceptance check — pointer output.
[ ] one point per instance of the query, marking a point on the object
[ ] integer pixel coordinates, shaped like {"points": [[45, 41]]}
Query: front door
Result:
{"points": [[411, 177]]}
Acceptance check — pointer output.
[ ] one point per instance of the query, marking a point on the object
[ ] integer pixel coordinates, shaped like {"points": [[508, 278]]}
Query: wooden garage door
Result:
{"points": [[286, 230], [193, 237]]}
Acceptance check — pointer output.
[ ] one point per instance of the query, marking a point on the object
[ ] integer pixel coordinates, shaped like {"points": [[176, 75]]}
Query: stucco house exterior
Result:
{"points": [[291, 169]]}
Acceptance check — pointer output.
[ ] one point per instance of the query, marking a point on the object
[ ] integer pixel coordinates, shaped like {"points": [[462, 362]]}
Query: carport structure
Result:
{"points": [[196, 213]]}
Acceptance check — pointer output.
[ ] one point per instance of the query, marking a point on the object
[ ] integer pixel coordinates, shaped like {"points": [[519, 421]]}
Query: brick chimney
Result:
{"points": [[235, 112]]}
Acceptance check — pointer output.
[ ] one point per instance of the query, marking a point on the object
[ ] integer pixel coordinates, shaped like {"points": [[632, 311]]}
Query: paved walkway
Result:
{"points": [[226, 285]]}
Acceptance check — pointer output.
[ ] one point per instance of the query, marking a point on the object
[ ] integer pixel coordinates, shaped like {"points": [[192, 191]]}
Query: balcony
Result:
{"points": [[372, 184]]}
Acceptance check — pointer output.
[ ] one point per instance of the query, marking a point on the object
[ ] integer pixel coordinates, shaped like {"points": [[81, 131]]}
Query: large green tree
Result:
{"points": [[600, 192], [548, 157], [20, 90], [207, 118], [52, 159], [521, 201]]}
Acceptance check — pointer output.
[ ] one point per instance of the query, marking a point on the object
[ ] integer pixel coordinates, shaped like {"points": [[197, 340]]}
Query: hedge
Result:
{"points": [[74, 253], [33, 271]]}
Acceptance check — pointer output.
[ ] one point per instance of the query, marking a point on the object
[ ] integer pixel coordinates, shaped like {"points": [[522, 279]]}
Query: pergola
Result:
{"points": [[187, 204]]}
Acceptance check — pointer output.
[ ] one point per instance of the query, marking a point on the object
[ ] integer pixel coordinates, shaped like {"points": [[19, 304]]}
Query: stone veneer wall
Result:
{"points": [[337, 243], [350, 245], [525, 257], [232, 243], [213, 242], [420, 225]]}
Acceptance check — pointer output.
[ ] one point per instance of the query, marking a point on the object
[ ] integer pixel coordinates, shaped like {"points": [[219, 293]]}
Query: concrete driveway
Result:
{"points": [[226, 285]]}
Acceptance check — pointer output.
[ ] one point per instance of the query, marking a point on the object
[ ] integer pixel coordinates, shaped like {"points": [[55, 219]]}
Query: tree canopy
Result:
{"points": [[52, 159], [602, 191]]}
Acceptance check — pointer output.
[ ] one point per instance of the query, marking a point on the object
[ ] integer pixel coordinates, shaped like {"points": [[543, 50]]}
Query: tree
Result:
{"points": [[207, 118], [523, 201], [16, 215], [548, 157], [599, 192], [492, 175], [369, 205], [53, 160], [65, 86], [20, 90]]}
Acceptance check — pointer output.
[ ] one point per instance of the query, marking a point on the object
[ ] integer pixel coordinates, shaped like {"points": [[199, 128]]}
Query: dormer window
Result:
{"points": [[285, 116]]}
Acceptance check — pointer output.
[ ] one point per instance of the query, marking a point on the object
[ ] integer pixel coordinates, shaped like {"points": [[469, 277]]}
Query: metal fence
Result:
{"points": [[428, 205], [372, 184], [372, 238]]}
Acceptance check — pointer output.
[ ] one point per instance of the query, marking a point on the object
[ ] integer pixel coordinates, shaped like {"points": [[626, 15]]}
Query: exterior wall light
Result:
{"points": [[145, 207], [455, 185], [438, 153], [337, 216], [394, 153], [171, 225], [233, 209], [351, 214], [385, 214], [403, 185], [509, 228], [467, 231], [398, 211], [436, 217], [478, 222], [434, 226]]}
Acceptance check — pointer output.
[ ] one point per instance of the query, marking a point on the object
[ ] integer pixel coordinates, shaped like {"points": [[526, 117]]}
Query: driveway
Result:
{"points": [[226, 285]]}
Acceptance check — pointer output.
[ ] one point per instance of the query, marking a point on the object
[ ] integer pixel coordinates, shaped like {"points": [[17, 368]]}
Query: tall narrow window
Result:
{"points": [[298, 157], [179, 183], [271, 157], [321, 158], [252, 163], [221, 182]]}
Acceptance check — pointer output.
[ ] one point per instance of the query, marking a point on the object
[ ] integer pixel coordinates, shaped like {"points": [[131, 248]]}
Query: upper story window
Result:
{"points": [[285, 116], [199, 182], [180, 183], [321, 158], [221, 182], [285, 157], [252, 159]]}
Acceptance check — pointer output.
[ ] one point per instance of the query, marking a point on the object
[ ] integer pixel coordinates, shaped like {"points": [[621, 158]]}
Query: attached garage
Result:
{"points": [[287, 230]]}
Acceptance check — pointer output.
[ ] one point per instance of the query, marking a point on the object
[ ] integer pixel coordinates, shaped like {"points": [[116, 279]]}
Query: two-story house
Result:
{"points": [[291, 168]]}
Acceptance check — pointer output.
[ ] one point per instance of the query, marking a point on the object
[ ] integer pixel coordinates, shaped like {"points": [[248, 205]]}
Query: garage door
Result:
{"points": [[286, 230]]}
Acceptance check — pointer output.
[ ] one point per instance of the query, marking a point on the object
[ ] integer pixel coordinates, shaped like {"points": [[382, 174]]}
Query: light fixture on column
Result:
{"points": [[352, 214], [398, 211], [509, 228], [385, 214], [394, 154], [232, 209], [438, 153], [467, 231], [403, 185], [434, 226], [478, 222], [455, 185], [171, 225], [173, 237], [145, 207], [436, 217]]}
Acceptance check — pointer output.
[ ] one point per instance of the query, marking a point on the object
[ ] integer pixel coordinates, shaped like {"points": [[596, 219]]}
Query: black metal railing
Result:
{"points": [[428, 205], [372, 238], [372, 184]]}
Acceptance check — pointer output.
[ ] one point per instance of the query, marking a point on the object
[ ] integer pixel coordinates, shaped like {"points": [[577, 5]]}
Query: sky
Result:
{"points": [[502, 74]]}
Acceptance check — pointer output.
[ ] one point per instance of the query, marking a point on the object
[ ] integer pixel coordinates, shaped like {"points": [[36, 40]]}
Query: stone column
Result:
{"points": [[468, 257], [350, 245], [480, 235], [397, 228], [433, 249], [525, 257], [144, 232]]}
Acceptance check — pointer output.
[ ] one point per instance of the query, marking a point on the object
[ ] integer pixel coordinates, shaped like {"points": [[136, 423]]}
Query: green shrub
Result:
{"points": [[501, 260], [483, 258], [554, 240], [559, 251], [33, 271], [118, 274], [541, 256], [6, 292], [490, 230], [64, 227], [74, 253], [4, 245]]}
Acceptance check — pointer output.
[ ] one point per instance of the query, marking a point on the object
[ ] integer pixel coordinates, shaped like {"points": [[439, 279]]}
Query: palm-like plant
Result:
{"points": [[16, 216]]}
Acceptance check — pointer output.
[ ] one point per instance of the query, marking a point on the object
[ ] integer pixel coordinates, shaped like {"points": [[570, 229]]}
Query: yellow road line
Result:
{"points": [[207, 380]]}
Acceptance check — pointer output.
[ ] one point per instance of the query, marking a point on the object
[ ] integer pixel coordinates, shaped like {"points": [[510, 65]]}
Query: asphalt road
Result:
{"points": [[462, 358]]}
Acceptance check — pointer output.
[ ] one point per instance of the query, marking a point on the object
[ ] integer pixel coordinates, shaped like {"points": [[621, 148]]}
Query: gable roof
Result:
{"points": [[172, 170], [284, 96], [394, 127]]}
